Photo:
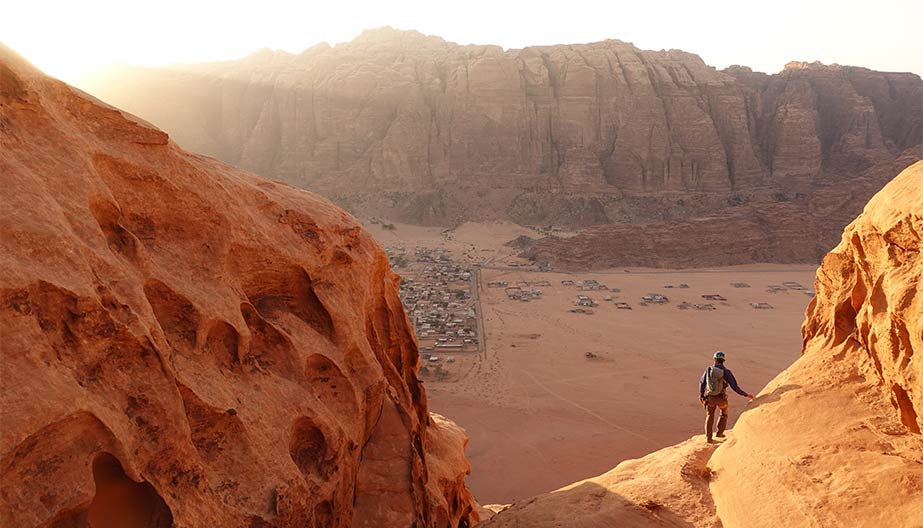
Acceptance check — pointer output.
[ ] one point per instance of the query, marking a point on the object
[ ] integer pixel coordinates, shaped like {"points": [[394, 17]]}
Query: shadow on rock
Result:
{"points": [[587, 505], [773, 396]]}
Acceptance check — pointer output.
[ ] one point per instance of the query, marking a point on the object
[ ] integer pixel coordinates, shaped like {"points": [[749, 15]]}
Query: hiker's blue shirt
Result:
{"points": [[728, 377]]}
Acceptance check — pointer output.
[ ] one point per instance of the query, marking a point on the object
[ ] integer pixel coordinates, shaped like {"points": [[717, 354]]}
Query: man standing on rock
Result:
{"points": [[712, 393]]}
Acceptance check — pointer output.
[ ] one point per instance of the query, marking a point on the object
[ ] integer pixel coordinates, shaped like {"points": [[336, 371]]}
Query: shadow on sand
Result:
{"points": [[587, 505]]}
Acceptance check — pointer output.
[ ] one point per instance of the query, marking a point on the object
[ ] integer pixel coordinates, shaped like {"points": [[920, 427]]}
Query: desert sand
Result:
{"points": [[541, 414]]}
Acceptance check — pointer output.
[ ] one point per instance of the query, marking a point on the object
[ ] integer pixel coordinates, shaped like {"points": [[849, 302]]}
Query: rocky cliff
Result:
{"points": [[427, 131], [784, 231], [186, 344], [834, 440]]}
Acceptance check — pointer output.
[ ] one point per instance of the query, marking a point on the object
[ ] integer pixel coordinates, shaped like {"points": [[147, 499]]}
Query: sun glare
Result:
{"points": [[68, 39]]}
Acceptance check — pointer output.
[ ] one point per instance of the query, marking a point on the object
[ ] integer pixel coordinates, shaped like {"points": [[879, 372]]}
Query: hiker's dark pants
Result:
{"points": [[711, 403]]}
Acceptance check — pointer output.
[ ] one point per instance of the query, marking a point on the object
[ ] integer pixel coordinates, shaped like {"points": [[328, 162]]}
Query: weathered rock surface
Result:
{"points": [[426, 131], [186, 344], [835, 440], [668, 488]]}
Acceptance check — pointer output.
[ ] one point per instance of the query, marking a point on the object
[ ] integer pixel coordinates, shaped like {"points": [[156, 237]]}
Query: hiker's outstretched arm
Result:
{"points": [[733, 383]]}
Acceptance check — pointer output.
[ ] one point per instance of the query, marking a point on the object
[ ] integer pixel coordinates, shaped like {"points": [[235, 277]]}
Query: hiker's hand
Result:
{"points": [[704, 401]]}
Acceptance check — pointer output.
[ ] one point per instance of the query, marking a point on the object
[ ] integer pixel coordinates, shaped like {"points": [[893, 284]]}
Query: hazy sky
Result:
{"points": [[69, 38]]}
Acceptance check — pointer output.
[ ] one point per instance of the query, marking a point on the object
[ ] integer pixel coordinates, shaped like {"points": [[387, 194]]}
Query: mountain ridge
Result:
{"points": [[419, 129]]}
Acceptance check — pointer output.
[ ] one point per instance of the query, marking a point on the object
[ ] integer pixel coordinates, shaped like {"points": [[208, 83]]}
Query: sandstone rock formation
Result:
{"points": [[426, 131], [834, 440], [186, 344], [668, 488]]}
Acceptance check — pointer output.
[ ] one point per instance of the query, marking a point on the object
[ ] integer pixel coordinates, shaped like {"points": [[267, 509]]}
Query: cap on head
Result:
{"points": [[719, 356]]}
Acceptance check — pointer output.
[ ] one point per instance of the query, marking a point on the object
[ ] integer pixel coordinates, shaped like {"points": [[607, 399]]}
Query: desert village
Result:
{"points": [[440, 300], [441, 297]]}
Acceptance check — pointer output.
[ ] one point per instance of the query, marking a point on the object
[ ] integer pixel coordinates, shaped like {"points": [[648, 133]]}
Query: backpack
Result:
{"points": [[714, 381]]}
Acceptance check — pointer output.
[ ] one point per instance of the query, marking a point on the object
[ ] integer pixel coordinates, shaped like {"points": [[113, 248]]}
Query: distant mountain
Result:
{"points": [[399, 124]]}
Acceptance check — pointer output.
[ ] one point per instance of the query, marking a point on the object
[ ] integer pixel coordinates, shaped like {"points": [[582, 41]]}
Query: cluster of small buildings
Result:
{"points": [[590, 285], [681, 286], [698, 306], [654, 298], [789, 285], [517, 293], [438, 300], [523, 291], [588, 302]]}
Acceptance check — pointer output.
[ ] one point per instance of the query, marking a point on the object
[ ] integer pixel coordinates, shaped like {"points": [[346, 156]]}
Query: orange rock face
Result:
{"points": [[186, 344], [835, 439]]}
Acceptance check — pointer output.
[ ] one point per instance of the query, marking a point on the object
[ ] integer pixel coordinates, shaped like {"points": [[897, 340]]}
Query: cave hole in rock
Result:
{"points": [[904, 406], [120, 502], [177, 316], [323, 514], [270, 348], [308, 448], [221, 345], [329, 385], [119, 239], [279, 289]]}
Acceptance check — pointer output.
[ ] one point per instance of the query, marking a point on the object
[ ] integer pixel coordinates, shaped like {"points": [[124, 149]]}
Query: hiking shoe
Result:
{"points": [[709, 441], [720, 435]]}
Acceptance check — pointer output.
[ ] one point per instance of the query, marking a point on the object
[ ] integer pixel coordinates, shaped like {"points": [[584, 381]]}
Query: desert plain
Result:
{"points": [[558, 392]]}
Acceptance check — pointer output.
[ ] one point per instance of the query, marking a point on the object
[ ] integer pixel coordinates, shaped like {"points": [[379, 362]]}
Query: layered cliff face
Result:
{"points": [[786, 231], [186, 344], [426, 131], [834, 440]]}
